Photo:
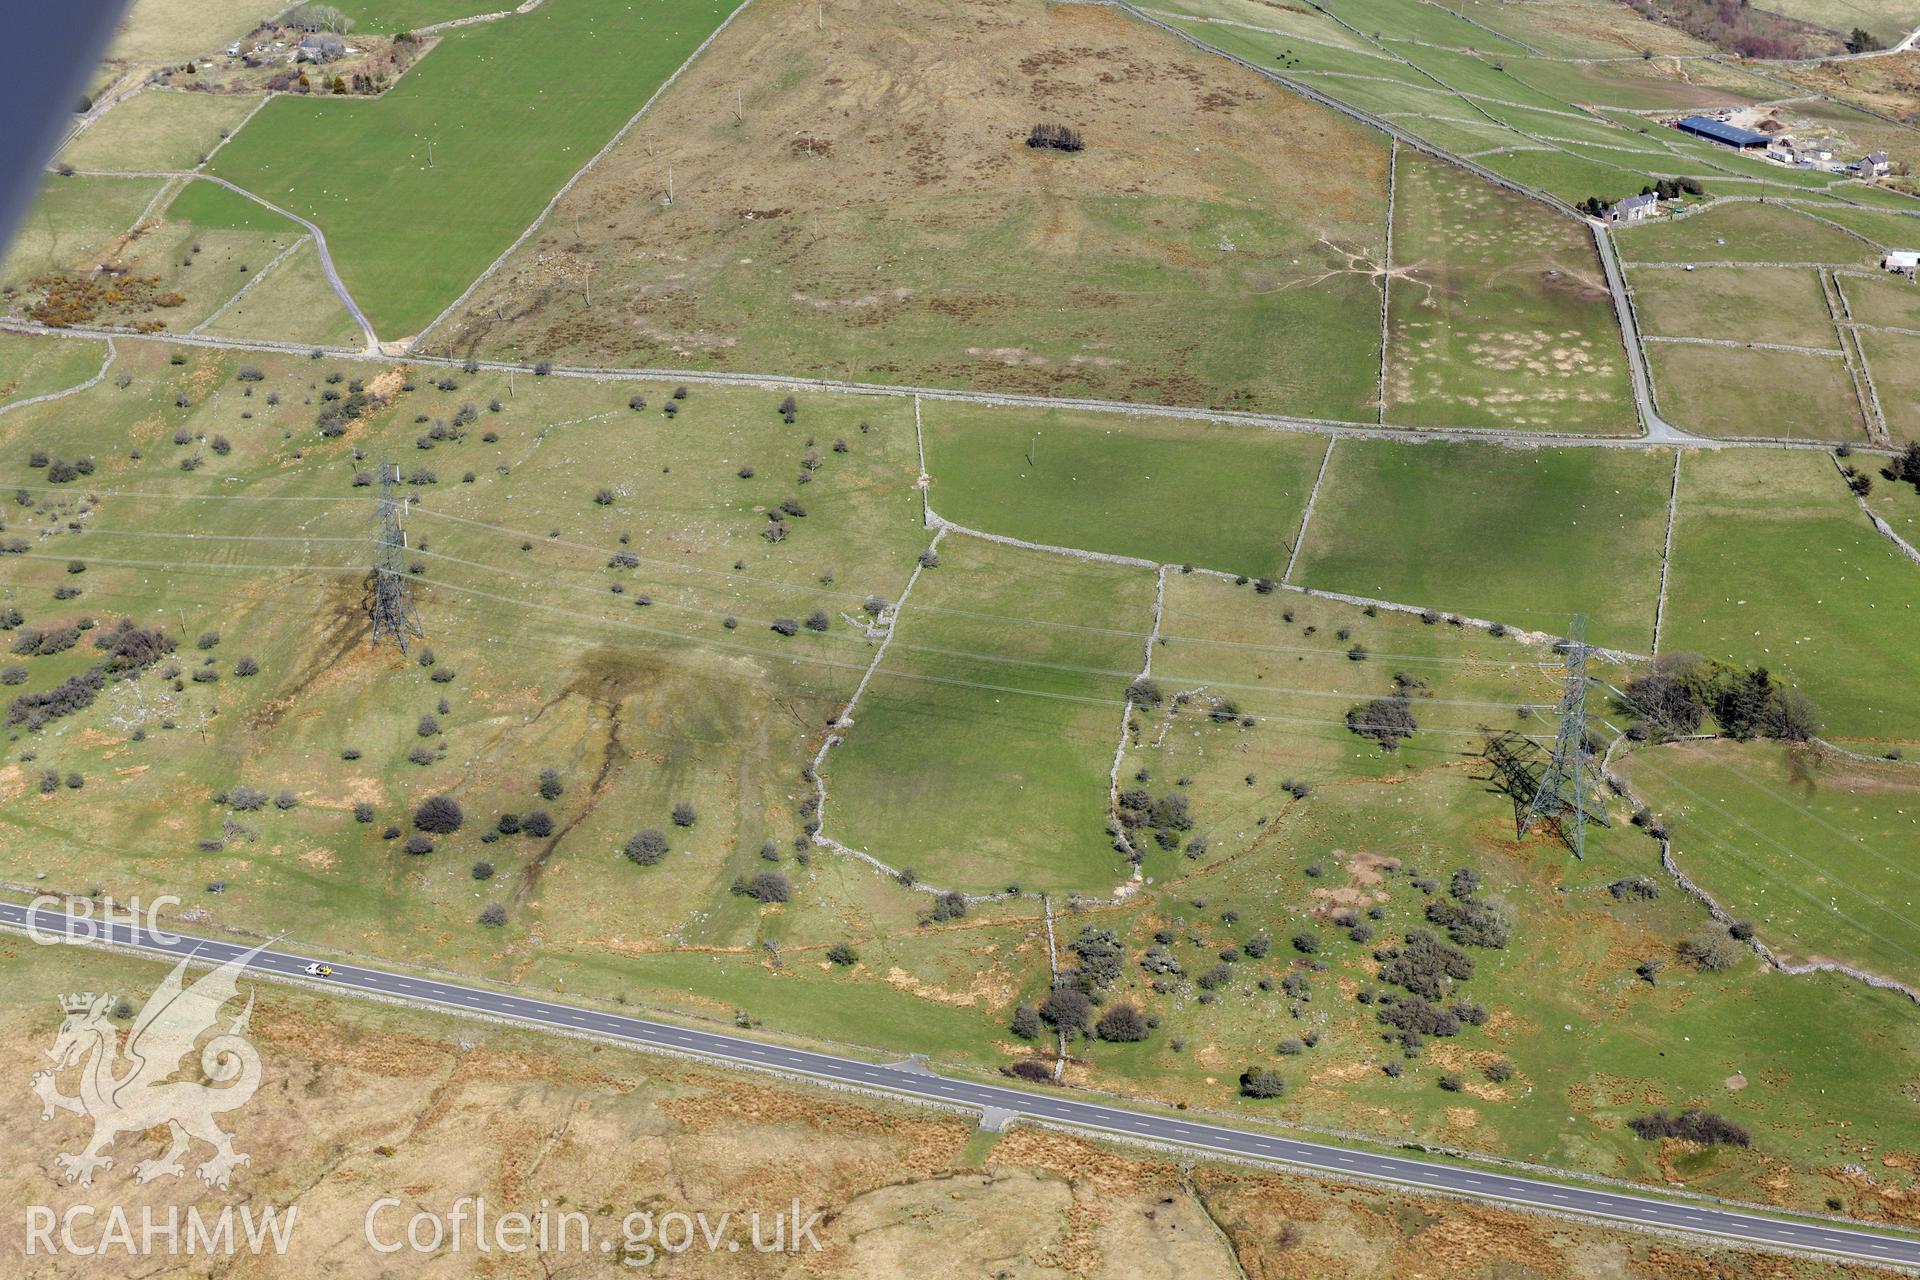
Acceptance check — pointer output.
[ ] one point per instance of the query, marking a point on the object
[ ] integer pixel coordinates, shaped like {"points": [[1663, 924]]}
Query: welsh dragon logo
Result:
{"points": [[134, 1089]]}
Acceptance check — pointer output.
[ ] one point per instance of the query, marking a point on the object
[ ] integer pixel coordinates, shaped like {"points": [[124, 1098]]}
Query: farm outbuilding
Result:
{"points": [[1907, 260], [1720, 131]]}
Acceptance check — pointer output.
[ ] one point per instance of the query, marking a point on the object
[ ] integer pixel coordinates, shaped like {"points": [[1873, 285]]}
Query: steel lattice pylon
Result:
{"points": [[390, 600], [1562, 795]]}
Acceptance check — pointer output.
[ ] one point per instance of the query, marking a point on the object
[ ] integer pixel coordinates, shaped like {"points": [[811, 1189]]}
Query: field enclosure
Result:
{"points": [[1124, 486], [1498, 313], [1521, 536], [1773, 564], [408, 186]]}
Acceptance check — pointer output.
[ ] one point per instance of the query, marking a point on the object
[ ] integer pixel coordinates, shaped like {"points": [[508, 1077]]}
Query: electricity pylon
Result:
{"points": [[391, 602], [1562, 796]]}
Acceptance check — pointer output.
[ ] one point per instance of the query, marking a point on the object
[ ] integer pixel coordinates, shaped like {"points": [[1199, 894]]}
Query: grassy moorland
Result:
{"points": [[1213, 244], [1124, 486], [72, 222], [577, 559], [408, 186], [1527, 537], [30, 367]]}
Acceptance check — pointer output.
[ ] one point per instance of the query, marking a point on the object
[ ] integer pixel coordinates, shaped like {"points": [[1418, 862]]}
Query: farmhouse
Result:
{"points": [[1634, 208], [321, 48], [1872, 165], [1722, 132]]}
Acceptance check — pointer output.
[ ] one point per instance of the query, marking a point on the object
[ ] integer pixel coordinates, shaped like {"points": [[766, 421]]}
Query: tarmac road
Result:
{"points": [[1053, 1106]]}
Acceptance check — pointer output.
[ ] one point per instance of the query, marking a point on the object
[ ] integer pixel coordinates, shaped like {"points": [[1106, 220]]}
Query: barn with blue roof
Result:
{"points": [[1722, 132]]}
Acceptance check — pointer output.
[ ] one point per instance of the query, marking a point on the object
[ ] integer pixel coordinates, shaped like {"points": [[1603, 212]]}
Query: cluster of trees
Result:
{"points": [[765, 886], [1675, 697], [1054, 137], [1387, 721], [1167, 817], [130, 649], [1905, 467], [1070, 1006], [59, 470], [1692, 1125], [1469, 919]]}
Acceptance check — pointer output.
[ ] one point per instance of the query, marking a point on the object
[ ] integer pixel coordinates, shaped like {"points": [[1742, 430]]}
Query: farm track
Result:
{"points": [[319, 238]]}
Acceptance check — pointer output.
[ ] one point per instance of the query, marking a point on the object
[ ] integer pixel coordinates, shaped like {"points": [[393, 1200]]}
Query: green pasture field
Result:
{"points": [[72, 220], [533, 95], [1752, 232], [1427, 22], [411, 15], [1774, 565], [1886, 229], [1498, 314], [1577, 28], [1898, 505], [642, 706], [1381, 98], [1633, 86], [294, 303], [1526, 537], [1727, 391], [1463, 137], [1282, 658], [1571, 177], [210, 205], [1743, 304], [1554, 124], [1811, 850], [157, 129], [1891, 362], [1307, 58], [990, 772], [1875, 196], [31, 366], [1890, 301], [1481, 77], [1124, 486]]}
